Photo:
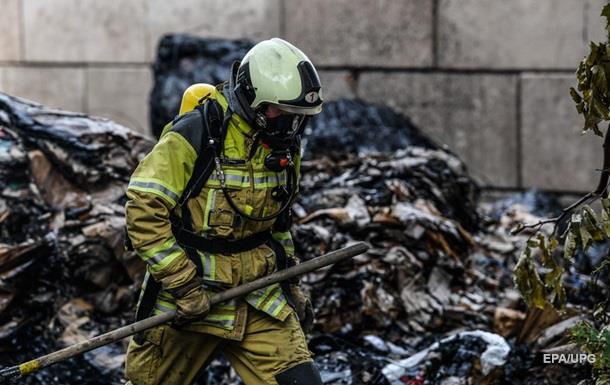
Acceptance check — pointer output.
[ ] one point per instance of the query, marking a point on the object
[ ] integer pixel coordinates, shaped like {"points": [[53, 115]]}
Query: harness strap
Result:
{"points": [[212, 137], [189, 239], [281, 263], [147, 303]]}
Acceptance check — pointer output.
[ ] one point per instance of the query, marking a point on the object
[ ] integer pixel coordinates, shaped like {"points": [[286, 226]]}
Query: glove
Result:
{"points": [[303, 307], [192, 301]]}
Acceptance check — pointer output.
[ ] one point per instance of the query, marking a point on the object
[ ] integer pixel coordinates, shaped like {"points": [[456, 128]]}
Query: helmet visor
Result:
{"points": [[300, 110]]}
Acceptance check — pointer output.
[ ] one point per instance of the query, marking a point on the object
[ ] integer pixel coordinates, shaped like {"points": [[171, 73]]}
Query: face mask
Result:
{"points": [[283, 125], [280, 132]]}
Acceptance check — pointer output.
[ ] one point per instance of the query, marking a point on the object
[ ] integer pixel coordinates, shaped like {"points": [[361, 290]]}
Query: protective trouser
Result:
{"points": [[271, 352]]}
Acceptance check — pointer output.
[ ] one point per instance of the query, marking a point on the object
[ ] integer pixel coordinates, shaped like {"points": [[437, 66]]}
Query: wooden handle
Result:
{"points": [[136, 327]]}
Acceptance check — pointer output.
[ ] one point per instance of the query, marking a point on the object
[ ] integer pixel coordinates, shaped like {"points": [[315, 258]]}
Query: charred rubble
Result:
{"points": [[64, 275], [432, 302], [183, 60]]}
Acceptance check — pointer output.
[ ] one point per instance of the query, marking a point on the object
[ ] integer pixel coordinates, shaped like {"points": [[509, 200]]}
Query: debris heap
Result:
{"points": [[64, 274], [183, 60]]}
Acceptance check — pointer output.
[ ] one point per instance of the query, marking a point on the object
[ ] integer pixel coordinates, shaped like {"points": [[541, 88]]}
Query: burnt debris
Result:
{"points": [[183, 60]]}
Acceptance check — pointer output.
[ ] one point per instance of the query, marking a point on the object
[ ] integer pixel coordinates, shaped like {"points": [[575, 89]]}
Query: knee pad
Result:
{"points": [[301, 374]]}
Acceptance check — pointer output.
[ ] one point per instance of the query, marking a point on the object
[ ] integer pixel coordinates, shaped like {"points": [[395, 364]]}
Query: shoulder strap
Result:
{"points": [[212, 142], [213, 127], [212, 137]]}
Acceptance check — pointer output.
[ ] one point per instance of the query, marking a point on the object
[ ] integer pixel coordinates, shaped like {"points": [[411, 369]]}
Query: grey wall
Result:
{"points": [[489, 78]]}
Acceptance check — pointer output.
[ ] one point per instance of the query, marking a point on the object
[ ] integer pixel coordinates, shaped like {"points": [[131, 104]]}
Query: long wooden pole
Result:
{"points": [[134, 328]]}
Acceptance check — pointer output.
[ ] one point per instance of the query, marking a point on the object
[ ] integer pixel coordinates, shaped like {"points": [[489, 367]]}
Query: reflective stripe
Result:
{"points": [[161, 256], [150, 253], [165, 307], [276, 309], [165, 296], [213, 268], [145, 282], [242, 179], [270, 180], [226, 320], [220, 317], [285, 239], [273, 302], [207, 269], [155, 187], [237, 178], [225, 307], [261, 295], [282, 236], [232, 178], [209, 266]]}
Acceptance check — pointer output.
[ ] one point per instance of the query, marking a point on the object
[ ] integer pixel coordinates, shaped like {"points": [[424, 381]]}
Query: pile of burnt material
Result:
{"points": [[183, 60], [64, 274]]}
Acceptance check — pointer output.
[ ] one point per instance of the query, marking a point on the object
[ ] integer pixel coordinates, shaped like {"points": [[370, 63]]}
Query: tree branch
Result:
{"points": [[600, 191]]}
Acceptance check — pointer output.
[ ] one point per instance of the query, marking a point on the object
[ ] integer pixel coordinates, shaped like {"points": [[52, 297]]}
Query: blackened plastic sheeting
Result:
{"points": [[356, 127], [183, 60], [89, 151]]}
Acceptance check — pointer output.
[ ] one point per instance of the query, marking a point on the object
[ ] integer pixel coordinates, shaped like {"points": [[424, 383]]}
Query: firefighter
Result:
{"points": [[209, 209]]}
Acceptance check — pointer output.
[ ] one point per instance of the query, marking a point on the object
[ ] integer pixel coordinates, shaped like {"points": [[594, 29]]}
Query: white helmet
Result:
{"points": [[275, 72]]}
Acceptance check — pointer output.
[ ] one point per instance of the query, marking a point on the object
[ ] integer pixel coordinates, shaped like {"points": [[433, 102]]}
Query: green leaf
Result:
{"points": [[592, 57], [600, 80], [591, 94], [554, 282], [545, 255], [586, 238], [532, 243], [569, 246], [553, 243], [528, 280], [591, 223], [575, 95], [599, 108]]}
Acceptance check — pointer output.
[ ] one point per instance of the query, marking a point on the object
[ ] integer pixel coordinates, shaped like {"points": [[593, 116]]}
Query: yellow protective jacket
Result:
{"points": [[154, 189]]}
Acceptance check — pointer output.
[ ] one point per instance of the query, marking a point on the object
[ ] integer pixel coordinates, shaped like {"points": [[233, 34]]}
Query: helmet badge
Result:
{"points": [[312, 97]]}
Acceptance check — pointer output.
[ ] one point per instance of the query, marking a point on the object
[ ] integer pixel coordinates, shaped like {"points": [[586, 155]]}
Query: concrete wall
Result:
{"points": [[489, 78]]}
